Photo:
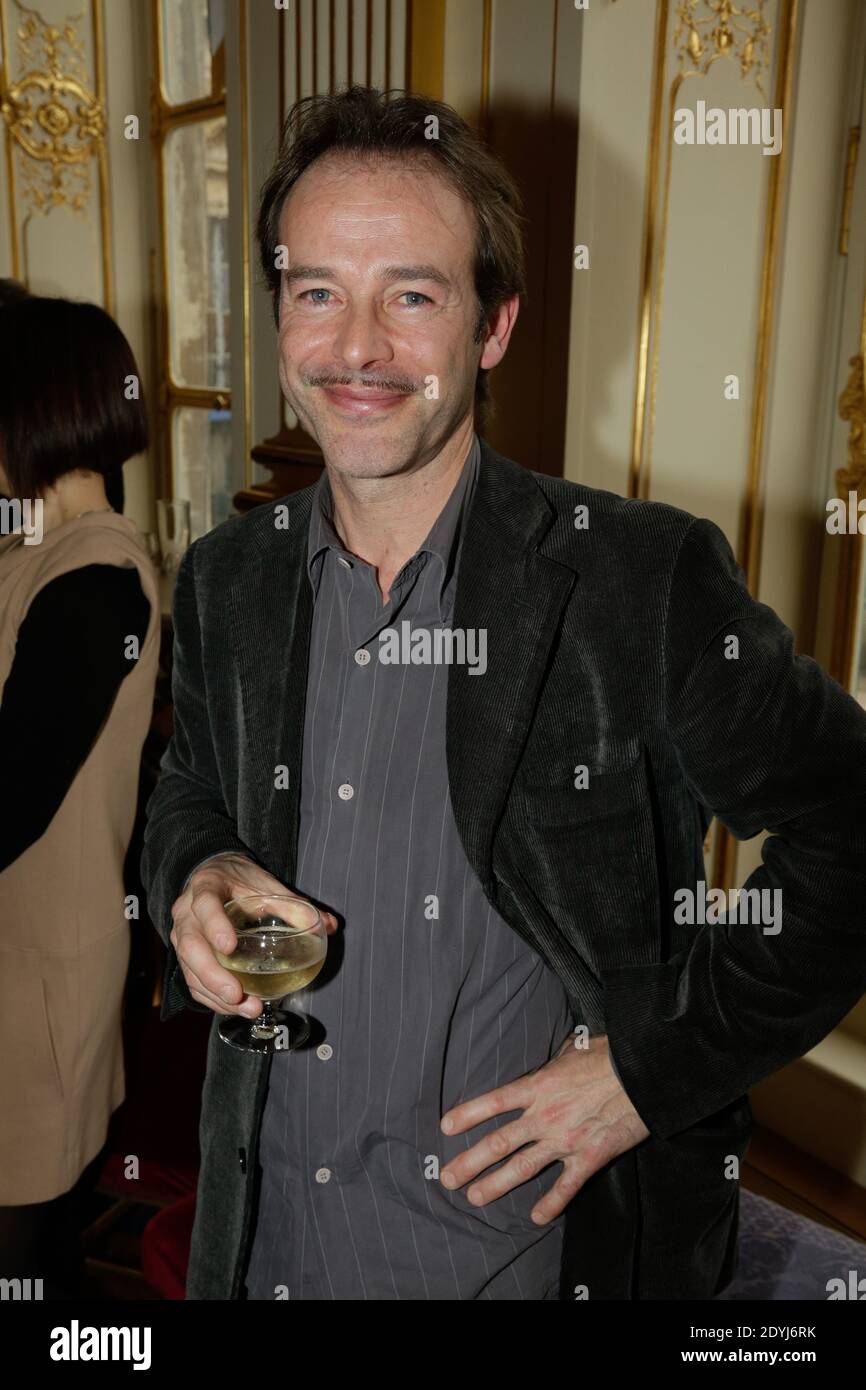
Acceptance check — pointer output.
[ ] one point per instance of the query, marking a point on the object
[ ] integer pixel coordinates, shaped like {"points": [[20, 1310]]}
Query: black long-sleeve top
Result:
{"points": [[68, 667]]}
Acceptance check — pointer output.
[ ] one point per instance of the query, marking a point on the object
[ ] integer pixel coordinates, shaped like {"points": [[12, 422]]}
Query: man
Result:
{"points": [[505, 837]]}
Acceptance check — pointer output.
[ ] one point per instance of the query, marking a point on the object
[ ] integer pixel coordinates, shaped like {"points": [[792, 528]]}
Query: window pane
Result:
{"points": [[202, 452], [191, 33], [196, 176]]}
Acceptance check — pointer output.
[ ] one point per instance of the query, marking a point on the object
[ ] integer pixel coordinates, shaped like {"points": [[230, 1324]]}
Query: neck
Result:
{"points": [[72, 494], [384, 520]]}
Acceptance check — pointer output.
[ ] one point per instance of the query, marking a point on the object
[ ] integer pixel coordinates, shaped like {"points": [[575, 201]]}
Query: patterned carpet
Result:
{"points": [[786, 1256]]}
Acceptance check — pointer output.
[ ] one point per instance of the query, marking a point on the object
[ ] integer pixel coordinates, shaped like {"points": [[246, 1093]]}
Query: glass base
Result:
{"points": [[282, 1032]]}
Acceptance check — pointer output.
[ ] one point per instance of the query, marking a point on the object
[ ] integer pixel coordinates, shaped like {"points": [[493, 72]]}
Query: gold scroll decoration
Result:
{"points": [[852, 407], [722, 30], [849, 580], [53, 117]]}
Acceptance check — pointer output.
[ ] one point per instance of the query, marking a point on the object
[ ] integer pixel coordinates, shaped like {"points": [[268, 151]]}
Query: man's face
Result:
{"points": [[377, 299]]}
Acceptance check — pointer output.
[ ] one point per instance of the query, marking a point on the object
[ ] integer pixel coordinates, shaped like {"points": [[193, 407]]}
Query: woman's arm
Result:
{"points": [[69, 663]]}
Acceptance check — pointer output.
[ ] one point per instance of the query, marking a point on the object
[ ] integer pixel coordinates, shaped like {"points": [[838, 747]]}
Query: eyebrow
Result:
{"points": [[390, 274]]}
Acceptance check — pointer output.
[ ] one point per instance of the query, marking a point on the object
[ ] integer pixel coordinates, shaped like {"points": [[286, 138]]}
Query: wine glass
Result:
{"points": [[282, 944], [173, 525]]}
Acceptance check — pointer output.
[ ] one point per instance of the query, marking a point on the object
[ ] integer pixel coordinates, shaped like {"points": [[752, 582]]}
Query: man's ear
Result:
{"points": [[499, 328]]}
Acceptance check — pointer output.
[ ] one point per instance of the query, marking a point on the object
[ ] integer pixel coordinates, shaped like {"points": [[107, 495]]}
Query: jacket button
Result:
{"points": [[242, 1159]]}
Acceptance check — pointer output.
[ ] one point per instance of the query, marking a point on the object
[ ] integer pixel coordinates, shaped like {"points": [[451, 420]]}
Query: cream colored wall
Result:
{"points": [[99, 252]]}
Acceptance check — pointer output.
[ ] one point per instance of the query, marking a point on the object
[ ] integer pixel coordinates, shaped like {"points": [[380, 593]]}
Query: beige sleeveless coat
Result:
{"points": [[64, 933]]}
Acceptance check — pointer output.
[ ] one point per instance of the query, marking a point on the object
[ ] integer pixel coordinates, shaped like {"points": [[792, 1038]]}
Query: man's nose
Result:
{"points": [[362, 338]]}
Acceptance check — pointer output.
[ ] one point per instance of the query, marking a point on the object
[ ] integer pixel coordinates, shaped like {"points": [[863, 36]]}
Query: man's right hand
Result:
{"points": [[200, 925]]}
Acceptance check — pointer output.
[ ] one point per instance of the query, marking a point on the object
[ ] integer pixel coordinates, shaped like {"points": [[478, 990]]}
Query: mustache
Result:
{"points": [[397, 385]]}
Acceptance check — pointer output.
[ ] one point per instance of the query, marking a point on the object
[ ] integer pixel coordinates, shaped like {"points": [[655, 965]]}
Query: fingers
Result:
{"points": [[234, 876], [522, 1167], [554, 1202], [198, 930], [515, 1096], [493, 1148], [249, 1008], [210, 917], [202, 927], [214, 986]]}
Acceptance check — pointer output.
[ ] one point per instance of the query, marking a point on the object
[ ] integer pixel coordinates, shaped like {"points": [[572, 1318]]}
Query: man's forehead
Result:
{"points": [[377, 192], [389, 235]]}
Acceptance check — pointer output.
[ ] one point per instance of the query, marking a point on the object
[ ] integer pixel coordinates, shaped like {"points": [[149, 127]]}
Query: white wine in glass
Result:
{"points": [[281, 947]]}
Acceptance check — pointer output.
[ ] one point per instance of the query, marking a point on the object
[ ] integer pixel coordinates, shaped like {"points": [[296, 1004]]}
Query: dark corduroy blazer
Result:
{"points": [[607, 648]]}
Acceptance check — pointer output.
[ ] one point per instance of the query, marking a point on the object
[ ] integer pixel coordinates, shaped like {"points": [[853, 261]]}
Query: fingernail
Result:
{"points": [[224, 942], [228, 994], [447, 1126]]}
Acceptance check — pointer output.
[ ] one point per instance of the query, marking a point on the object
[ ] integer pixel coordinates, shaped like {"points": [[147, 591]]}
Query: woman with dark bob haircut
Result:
{"points": [[79, 639]]}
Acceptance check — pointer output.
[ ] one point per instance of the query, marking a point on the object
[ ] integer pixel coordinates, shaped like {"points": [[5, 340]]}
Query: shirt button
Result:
{"points": [[324, 1051], [362, 656], [323, 1175], [346, 791]]}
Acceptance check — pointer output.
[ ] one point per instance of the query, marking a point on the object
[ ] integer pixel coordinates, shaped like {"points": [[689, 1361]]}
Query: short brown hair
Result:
{"points": [[63, 405], [376, 124]]}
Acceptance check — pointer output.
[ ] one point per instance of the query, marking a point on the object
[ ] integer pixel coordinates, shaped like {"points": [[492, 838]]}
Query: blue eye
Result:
{"points": [[415, 295]]}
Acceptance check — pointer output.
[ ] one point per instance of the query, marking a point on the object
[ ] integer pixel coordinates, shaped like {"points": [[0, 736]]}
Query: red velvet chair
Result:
{"points": [[165, 1246]]}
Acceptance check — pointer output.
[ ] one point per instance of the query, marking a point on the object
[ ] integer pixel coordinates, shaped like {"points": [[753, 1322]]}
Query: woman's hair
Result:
{"points": [[70, 393], [373, 125], [11, 292]]}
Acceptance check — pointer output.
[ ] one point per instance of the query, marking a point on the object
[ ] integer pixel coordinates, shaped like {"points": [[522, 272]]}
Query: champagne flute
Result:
{"points": [[282, 944]]}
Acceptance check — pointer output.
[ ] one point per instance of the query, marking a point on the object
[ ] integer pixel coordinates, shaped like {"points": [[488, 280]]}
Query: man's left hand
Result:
{"points": [[574, 1110]]}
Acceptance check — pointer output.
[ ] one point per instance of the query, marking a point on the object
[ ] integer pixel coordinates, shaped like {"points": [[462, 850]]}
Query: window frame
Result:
{"points": [[167, 117]]}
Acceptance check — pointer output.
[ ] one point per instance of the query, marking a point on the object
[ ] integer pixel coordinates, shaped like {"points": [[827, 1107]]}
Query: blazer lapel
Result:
{"points": [[506, 586], [271, 605]]}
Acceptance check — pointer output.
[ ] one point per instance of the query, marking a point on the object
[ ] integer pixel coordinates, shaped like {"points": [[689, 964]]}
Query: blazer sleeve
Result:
{"points": [[766, 740], [187, 818]]}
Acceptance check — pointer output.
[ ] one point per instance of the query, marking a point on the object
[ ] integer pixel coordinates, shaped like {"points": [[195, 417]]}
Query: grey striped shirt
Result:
{"points": [[430, 997]]}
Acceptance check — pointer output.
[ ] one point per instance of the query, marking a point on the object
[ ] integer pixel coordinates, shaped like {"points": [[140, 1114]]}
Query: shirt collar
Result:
{"points": [[442, 539]]}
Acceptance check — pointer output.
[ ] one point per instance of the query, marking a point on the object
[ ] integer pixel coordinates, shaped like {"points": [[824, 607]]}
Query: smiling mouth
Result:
{"points": [[363, 401]]}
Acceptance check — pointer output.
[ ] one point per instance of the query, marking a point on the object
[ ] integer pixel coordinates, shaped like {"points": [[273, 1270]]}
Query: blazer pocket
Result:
{"points": [[590, 857], [603, 809], [30, 1064], [50, 1047]]}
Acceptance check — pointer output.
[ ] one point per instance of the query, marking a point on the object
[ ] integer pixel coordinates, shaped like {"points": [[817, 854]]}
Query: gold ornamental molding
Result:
{"points": [[852, 407], [852, 478], [723, 30], [55, 122], [52, 116], [705, 32]]}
